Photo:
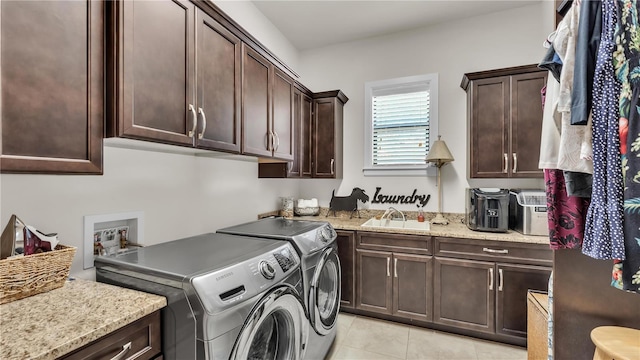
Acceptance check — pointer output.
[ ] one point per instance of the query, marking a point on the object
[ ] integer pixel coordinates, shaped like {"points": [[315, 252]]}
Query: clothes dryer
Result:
{"points": [[315, 242], [228, 297]]}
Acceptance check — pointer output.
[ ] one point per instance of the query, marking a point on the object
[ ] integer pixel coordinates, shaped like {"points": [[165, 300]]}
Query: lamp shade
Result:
{"points": [[439, 153]]}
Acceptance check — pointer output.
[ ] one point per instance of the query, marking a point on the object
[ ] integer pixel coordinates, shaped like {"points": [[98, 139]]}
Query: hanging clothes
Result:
{"points": [[589, 30], [561, 145], [571, 137], [627, 66], [565, 214], [550, 135], [603, 238]]}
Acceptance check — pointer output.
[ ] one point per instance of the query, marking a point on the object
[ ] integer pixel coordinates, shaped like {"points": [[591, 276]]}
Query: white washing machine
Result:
{"points": [[315, 242], [229, 297]]}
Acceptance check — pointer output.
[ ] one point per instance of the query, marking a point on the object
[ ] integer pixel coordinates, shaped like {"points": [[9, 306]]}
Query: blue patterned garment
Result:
{"points": [[603, 238], [626, 61]]}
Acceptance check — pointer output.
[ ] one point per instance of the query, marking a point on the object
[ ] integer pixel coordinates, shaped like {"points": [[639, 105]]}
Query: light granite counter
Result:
{"points": [[455, 228], [49, 325]]}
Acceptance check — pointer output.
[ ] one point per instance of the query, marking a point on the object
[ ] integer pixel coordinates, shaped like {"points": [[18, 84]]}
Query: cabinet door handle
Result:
{"points": [[388, 265], [194, 117], [395, 267], [500, 282], [204, 123], [277, 138], [515, 162], [125, 349], [490, 278], [493, 251], [333, 163], [506, 160]]}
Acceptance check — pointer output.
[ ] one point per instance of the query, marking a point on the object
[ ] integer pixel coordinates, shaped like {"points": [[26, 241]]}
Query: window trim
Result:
{"points": [[390, 86]]}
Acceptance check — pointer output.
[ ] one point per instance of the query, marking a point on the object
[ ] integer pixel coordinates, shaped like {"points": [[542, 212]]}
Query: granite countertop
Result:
{"points": [[51, 324], [455, 228]]}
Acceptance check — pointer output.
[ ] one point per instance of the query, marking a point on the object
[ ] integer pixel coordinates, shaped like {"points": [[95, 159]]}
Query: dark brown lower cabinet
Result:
{"points": [[464, 294], [347, 255], [471, 286], [374, 281], [513, 282], [486, 296], [412, 286], [139, 340], [395, 284]]}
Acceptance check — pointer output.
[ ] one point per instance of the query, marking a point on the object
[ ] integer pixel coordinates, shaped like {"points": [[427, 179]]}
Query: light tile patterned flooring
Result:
{"points": [[361, 337]]}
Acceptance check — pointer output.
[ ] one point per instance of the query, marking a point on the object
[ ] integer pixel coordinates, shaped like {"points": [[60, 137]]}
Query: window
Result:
{"points": [[401, 120]]}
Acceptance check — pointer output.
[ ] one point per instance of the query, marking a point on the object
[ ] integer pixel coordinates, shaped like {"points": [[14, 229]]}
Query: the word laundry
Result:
{"points": [[379, 198]]}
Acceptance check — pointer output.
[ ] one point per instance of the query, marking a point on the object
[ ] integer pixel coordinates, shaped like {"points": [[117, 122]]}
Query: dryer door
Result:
{"points": [[275, 328], [324, 295]]}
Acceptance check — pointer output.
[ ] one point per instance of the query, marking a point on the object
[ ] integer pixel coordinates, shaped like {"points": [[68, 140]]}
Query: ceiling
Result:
{"points": [[311, 24]]}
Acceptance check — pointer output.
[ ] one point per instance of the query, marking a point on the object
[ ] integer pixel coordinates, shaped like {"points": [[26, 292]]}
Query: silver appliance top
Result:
{"points": [[307, 236], [217, 272], [190, 256]]}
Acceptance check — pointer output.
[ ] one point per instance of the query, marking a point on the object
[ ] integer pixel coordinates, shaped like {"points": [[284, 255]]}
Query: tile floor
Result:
{"points": [[362, 337]]}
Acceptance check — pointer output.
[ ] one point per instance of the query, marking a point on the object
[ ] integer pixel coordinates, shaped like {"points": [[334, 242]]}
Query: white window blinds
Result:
{"points": [[400, 128], [401, 120]]}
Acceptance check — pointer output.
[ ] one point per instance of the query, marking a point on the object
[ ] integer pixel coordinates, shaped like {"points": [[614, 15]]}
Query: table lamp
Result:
{"points": [[439, 155]]}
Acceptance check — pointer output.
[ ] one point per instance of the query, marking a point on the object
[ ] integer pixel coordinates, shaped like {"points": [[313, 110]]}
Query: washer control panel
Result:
{"points": [[267, 270], [285, 259]]}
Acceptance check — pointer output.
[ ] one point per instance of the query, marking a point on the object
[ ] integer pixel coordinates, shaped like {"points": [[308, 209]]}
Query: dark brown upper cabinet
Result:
{"points": [[319, 118], [327, 134], [300, 166], [52, 81], [219, 57], [176, 72], [267, 108], [504, 110], [306, 134]]}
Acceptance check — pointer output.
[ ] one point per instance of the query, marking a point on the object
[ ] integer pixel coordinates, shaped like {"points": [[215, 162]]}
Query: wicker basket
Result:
{"points": [[26, 276]]}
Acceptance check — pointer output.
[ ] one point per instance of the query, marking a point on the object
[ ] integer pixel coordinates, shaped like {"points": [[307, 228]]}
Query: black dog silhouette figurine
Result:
{"points": [[347, 203]]}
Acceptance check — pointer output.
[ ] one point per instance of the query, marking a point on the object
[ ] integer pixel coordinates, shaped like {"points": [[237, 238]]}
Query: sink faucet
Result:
{"points": [[390, 211]]}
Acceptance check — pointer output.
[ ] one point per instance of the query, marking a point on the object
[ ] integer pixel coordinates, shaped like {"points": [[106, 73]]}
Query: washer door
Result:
{"points": [[275, 328], [324, 295]]}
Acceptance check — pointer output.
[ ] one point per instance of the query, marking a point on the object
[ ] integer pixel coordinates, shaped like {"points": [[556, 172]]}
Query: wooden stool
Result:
{"points": [[615, 342]]}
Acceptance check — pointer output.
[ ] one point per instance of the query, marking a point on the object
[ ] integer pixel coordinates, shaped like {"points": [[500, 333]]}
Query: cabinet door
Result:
{"points": [[489, 128], [256, 109], [282, 120], [219, 57], [324, 144], [306, 132], [347, 255], [513, 282], [412, 286], [293, 167], [374, 281], [157, 100], [464, 294], [526, 121], [52, 86]]}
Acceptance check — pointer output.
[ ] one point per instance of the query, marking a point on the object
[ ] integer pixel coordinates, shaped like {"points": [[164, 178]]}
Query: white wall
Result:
{"points": [[180, 194], [251, 19], [504, 39]]}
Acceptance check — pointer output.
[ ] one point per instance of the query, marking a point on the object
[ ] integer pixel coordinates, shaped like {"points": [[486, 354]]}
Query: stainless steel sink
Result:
{"points": [[397, 224]]}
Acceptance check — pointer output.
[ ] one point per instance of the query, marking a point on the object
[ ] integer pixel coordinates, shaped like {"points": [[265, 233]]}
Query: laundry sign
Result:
{"points": [[380, 198]]}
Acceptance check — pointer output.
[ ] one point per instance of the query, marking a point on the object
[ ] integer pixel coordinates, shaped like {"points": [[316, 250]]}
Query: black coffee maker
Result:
{"points": [[487, 209]]}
